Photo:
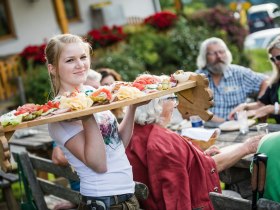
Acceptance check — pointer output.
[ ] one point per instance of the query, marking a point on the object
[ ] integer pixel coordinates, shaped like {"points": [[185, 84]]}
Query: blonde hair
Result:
{"points": [[275, 44], [53, 51]]}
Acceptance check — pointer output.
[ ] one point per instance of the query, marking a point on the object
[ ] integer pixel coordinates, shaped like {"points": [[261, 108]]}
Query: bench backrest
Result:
{"points": [[39, 187], [222, 202], [264, 204]]}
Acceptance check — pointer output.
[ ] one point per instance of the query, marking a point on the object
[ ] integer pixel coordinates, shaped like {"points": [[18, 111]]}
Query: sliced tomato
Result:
{"points": [[102, 90], [138, 85]]}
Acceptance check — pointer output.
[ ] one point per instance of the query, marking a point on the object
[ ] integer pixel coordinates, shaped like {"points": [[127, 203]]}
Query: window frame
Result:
{"points": [[77, 12], [10, 22]]}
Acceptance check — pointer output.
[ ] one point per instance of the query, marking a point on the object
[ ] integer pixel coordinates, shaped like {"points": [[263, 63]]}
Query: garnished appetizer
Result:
{"points": [[101, 96]]}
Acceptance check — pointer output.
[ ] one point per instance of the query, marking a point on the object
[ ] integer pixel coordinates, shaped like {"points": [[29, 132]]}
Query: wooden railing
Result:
{"points": [[134, 20], [10, 81]]}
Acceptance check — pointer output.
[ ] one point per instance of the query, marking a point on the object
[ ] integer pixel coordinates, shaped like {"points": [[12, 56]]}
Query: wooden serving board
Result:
{"points": [[195, 98], [99, 108]]}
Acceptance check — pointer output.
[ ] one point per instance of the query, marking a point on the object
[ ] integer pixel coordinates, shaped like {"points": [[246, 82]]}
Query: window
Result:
{"points": [[72, 10], [6, 25]]}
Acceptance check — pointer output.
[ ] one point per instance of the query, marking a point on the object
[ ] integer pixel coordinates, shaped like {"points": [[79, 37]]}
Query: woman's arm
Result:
{"points": [[245, 106], [88, 146], [127, 125], [230, 155]]}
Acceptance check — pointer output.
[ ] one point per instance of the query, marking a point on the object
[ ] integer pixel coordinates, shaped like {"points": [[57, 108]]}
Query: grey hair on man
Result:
{"points": [[201, 61]]}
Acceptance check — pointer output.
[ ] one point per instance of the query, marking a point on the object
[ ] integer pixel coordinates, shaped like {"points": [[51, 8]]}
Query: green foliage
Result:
{"points": [[193, 7], [127, 67], [220, 18], [36, 83], [162, 52], [259, 60]]}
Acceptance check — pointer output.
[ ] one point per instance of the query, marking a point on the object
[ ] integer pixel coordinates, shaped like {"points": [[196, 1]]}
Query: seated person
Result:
{"points": [[178, 174], [93, 79], [270, 145], [108, 76], [268, 104], [231, 84]]}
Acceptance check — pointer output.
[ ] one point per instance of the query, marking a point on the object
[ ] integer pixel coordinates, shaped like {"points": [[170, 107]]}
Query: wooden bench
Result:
{"points": [[223, 202], [40, 187], [6, 180]]}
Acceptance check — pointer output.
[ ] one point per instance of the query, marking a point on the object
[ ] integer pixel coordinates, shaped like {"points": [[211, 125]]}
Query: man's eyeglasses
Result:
{"points": [[275, 58], [219, 52]]}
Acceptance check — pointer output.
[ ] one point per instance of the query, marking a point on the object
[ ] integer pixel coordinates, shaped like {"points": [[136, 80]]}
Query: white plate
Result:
{"points": [[233, 125]]}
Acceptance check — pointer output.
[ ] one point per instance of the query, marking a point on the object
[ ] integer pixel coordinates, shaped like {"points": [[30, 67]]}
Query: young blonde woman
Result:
{"points": [[94, 145]]}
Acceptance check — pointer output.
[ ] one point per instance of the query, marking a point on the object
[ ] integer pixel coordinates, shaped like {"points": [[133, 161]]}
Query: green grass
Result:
{"points": [[259, 60]]}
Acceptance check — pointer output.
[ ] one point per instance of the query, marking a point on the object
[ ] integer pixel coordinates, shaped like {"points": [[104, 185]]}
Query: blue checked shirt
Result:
{"points": [[236, 85]]}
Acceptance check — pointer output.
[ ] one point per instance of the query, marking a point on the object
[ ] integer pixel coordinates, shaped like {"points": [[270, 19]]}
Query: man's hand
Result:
{"points": [[239, 108]]}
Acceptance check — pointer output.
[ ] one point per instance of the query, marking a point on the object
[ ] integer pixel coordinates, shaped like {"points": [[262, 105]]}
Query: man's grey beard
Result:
{"points": [[217, 68]]}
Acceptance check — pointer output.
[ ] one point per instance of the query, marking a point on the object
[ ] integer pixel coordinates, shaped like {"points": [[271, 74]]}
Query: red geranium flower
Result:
{"points": [[106, 36], [161, 20]]}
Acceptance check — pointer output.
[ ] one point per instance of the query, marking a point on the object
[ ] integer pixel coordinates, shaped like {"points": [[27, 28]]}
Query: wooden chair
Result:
{"points": [[6, 180], [40, 187]]}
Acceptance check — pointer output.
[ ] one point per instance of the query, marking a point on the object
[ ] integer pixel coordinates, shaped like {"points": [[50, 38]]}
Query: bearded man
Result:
{"points": [[231, 84]]}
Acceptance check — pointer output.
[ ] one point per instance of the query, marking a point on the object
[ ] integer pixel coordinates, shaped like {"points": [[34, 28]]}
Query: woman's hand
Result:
{"points": [[264, 111]]}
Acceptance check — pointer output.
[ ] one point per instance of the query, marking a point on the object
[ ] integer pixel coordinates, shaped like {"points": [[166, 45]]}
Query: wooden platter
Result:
{"points": [[99, 108], [195, 98]]}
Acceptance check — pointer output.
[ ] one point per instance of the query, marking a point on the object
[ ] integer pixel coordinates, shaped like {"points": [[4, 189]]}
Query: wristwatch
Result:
{"points": [[276, 108]]}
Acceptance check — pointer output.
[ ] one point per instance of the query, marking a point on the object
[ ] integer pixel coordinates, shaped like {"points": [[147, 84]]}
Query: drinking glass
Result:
{"points": [[262, 128], [243, 122]]}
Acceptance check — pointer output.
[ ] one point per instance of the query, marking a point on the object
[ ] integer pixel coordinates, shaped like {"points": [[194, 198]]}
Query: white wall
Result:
{"points": [[36, 22], [140, 8], [33, 22]]}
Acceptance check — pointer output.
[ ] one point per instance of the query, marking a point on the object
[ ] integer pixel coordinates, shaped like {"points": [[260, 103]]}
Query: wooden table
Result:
{"points": [[238, 177], [39, 144], [40, 141]]}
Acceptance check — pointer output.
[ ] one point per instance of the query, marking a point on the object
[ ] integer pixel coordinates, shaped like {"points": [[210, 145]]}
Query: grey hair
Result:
{"points": [[94, 75], [149, 113], [275, 44], [201, 61]]}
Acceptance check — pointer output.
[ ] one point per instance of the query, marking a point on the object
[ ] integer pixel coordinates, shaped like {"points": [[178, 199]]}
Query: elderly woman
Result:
{"points": [[268, 104], [179, 175]]}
